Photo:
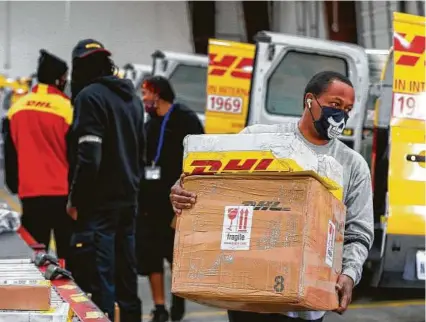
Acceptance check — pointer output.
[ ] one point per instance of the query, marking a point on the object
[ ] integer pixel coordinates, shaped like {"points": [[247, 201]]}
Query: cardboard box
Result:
{"points": [[263, 243], [25, 295], [58, 312], [259, 153]]}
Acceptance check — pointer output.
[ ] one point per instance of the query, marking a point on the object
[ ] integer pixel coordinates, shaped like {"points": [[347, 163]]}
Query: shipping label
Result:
{"points": [[25, 282], [331, 239], [236, 231]]}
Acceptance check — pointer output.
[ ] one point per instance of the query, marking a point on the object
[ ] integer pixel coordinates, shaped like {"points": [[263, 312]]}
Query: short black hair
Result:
{"points": [[319, 82], [160, 86]]}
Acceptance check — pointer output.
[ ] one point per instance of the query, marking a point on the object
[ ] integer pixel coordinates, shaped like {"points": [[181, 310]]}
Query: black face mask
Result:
{"points": [[61, 86], [86, 70], [76, 88], [331, 123]]}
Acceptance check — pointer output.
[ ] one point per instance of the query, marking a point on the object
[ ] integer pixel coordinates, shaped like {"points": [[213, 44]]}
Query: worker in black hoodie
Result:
{"points": [[107, 144]]}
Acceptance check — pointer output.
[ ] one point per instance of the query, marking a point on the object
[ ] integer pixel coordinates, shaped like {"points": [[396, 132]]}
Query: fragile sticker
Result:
{"points": [[236, 231], [331, 239]]}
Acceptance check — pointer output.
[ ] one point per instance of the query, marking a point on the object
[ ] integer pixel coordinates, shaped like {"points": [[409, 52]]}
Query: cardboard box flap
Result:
{"points": [[257, 153], [270, 176]]}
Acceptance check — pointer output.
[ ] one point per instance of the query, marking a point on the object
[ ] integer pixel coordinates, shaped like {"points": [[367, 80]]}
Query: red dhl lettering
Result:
{"points": [[415, 48], [233, 165], [38, 104], [221, 66]]}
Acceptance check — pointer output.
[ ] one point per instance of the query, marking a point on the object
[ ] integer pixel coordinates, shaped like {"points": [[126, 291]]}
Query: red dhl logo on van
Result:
{"points": [[222, 65], [415, 49], [233, 165]]}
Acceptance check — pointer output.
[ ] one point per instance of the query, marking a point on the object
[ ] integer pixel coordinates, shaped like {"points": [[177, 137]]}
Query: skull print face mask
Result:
{"points": [[331, 123]]}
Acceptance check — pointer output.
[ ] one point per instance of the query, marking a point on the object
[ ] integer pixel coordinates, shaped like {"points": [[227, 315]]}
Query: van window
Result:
{"points": [[189, 83], [287, 83]]}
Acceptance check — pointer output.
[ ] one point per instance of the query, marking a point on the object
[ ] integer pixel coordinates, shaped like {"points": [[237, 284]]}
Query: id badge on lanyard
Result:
{"points": [[153, 172]]}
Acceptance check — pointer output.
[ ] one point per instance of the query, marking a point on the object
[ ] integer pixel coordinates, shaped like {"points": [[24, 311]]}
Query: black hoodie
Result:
{"points": [[107, 146]]}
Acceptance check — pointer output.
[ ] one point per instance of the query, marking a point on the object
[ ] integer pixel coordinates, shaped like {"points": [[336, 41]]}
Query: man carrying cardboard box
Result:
{"points": [[328, 98]]}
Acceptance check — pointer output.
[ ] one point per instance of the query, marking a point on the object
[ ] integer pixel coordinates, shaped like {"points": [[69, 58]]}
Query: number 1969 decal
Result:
{"points": [[225, 104]]}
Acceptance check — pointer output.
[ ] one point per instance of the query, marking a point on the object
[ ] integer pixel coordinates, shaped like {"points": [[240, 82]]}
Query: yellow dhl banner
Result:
{"points": [[228, 85], [407, 170], [255, 162]]}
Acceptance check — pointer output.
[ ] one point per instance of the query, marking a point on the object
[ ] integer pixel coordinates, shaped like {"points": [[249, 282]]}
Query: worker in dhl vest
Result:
{"points": [[35, 151]]}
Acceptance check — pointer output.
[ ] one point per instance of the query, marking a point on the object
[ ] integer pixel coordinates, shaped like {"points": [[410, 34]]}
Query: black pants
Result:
{"points": [[42, 214], [104, 257], [235, 316], [155, 241]]}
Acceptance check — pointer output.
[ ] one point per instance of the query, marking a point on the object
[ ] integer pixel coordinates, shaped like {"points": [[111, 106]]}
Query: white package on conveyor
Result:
{"points": [[60, 312]]}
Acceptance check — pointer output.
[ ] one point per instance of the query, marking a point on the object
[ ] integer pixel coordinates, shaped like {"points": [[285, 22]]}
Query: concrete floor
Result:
{"points": [[385, 305]]}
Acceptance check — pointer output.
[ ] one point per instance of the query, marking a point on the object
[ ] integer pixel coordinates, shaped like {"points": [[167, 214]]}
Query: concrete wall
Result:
{"points": [[230, 23], [307, 18], [303, 18], [375, 22], [131, 30]]}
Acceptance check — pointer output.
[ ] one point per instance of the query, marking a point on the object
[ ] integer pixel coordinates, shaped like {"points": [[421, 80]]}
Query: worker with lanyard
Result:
{"points": [[165, 130]]}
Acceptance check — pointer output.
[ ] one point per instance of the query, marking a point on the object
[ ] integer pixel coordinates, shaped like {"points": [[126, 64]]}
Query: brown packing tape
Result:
{"points": [[269, 175]]}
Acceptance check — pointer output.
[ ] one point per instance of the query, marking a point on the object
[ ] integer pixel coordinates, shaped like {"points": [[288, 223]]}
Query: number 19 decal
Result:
{"points": [[225, 104], [408, 106]]}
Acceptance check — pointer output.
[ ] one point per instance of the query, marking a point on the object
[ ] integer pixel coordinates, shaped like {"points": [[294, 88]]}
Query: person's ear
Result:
{"points": [[308, 101]]}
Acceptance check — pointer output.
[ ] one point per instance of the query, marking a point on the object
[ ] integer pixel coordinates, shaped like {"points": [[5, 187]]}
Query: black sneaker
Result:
{"points": [[177, 310], [176, 316], [159, 316]]}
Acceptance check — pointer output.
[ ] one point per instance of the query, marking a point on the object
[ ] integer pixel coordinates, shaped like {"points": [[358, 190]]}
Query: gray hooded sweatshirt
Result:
{"points": [[357, 197]]}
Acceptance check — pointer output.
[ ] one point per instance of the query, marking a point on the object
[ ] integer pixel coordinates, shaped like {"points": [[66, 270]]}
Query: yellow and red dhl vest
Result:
{"points": [[38, 125]]}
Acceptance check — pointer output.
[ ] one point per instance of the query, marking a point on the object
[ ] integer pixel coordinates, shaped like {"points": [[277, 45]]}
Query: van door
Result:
{"points": [[402, 110], [137, 73], [284, 65], [407, 166], [377, 59], [228, 85], [188, 75]]}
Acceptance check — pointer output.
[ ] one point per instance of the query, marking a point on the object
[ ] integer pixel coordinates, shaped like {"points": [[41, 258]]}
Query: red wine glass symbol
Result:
{"points": [[232, 213]]}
